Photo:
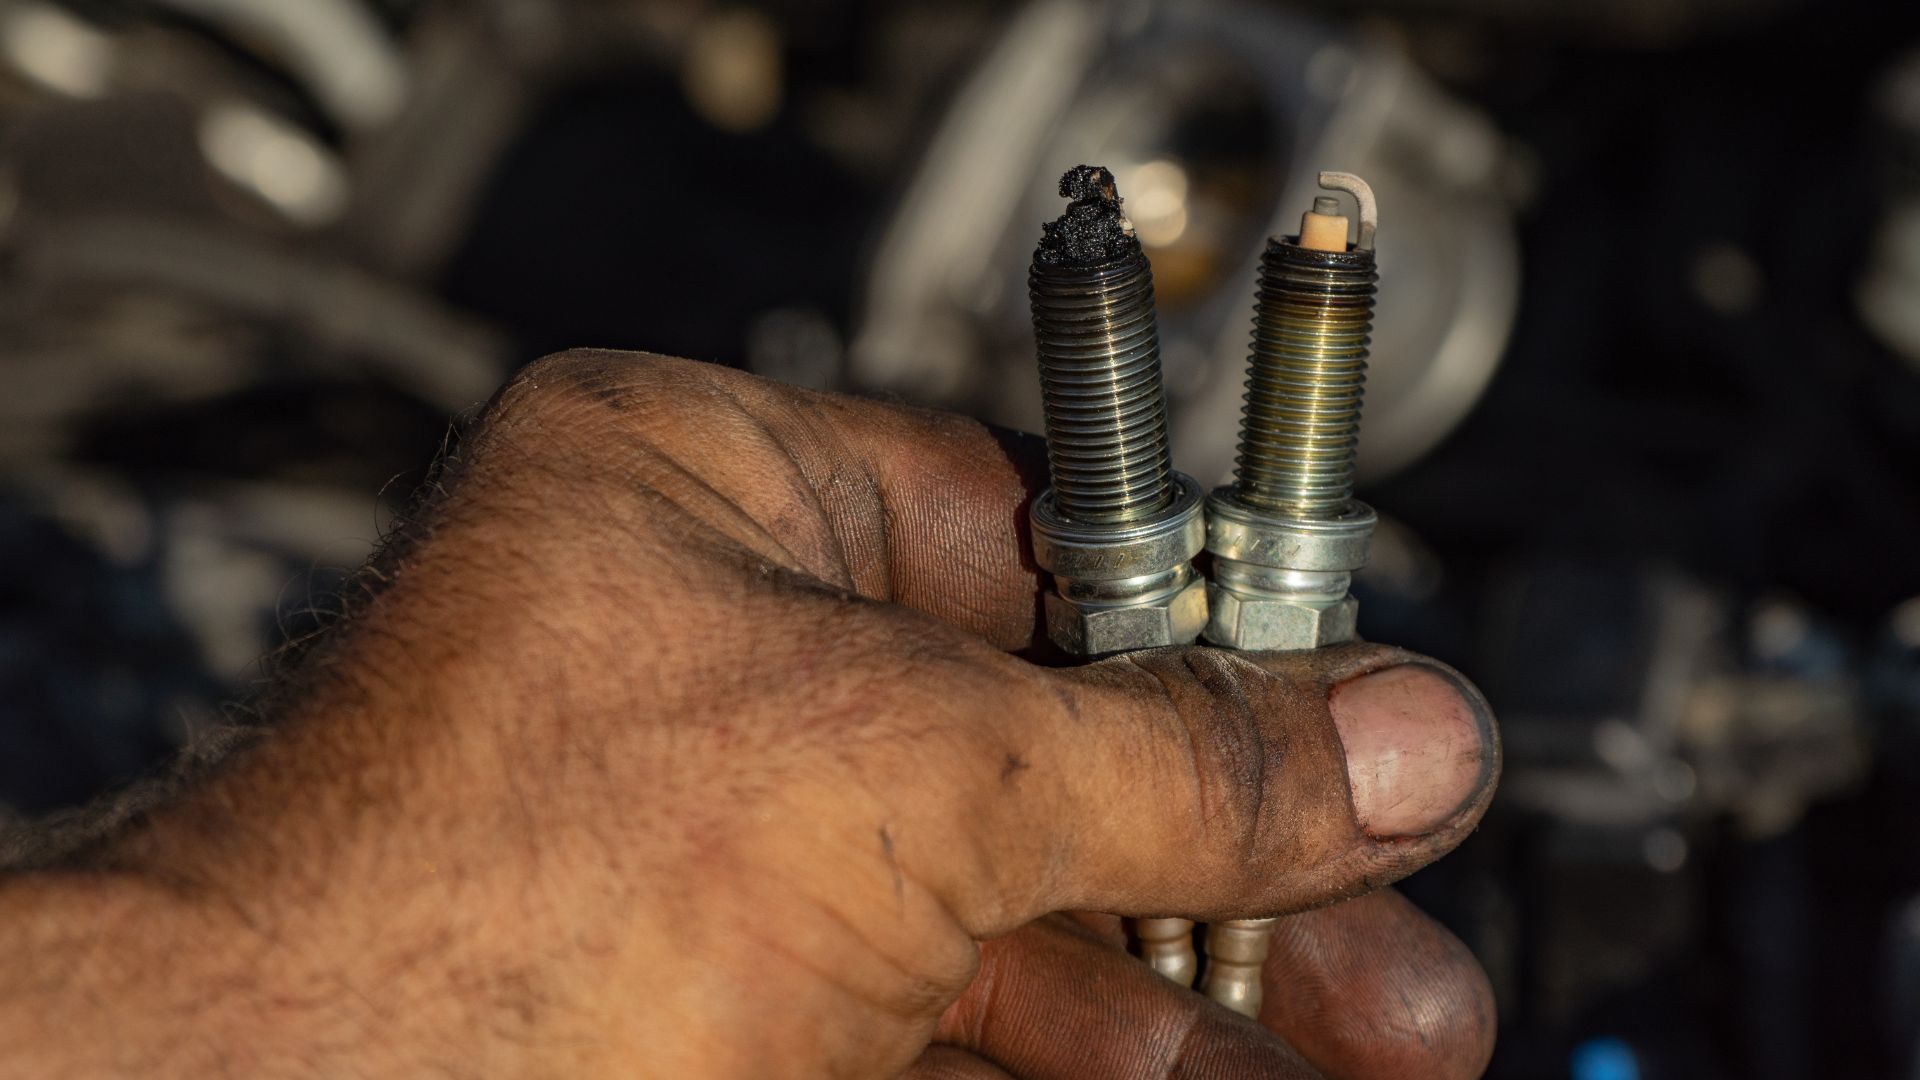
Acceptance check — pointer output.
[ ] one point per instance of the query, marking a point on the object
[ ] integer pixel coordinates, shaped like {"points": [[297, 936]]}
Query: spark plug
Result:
{"points": [[1118, 528], [1287, 534]]}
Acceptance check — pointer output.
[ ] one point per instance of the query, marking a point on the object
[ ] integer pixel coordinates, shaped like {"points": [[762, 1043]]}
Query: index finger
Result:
{"points": [[910, 506]]}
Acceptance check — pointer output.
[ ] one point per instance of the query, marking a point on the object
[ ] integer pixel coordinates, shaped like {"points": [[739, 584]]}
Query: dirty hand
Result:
{"points": [[684, 732]]}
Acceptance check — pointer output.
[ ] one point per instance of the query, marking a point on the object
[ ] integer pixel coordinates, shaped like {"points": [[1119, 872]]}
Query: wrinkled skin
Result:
{"points": [[691, 731]]}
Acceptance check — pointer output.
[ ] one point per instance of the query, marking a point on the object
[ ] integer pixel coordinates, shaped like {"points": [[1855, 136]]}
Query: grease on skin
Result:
{"points": [[1416, 749], [893, 865]]}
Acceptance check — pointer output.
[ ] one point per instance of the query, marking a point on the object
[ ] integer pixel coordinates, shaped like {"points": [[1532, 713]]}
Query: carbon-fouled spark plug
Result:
{"points": [[1287, 534], [1119, 528]]}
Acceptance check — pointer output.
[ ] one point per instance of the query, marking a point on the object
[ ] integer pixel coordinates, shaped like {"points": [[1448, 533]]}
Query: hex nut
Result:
{"points": [[1242, 622], [1175, 619]]}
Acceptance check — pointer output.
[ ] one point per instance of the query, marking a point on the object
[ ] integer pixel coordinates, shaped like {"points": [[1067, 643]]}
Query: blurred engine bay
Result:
{"points": [[1643, 426]]}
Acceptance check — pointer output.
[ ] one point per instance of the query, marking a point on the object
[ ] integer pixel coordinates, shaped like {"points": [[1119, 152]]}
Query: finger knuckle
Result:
{"points": [[1448, 1041], [564, 384], [1220, 701], [1438, 1018]]}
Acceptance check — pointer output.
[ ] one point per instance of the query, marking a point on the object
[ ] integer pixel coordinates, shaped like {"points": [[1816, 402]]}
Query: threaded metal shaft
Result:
{"points": [[1106, 418], [1301, 422]]}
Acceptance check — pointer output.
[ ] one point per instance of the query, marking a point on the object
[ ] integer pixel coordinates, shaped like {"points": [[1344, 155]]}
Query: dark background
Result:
{"points": [[1673, 538]]}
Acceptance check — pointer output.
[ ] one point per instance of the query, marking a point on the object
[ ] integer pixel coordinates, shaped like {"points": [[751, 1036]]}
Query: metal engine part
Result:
{"points": [[1213, 119]]}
